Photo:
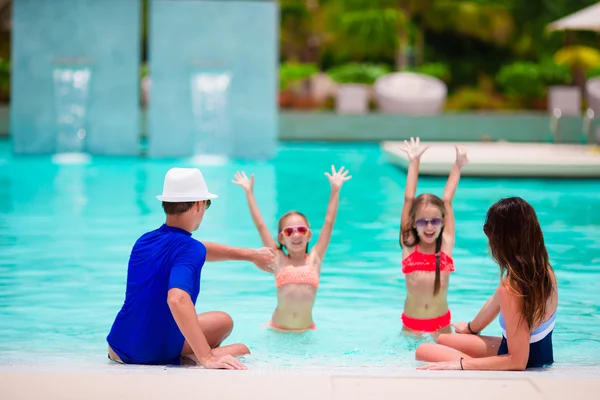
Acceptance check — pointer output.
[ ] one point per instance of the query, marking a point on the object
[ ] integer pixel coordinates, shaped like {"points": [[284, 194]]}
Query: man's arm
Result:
{"points": [[263, 258], [184, 313], [221, 252], [183, 278]]}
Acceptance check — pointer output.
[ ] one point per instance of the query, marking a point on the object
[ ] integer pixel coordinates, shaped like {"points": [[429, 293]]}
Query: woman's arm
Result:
{"points": [[248, 184], [449, 190], [336, 179], [414, 153], [517, 336], [484, 317]]}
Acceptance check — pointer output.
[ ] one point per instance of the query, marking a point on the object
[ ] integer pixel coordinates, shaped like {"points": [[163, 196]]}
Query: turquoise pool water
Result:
{"points": [[66, 232]]}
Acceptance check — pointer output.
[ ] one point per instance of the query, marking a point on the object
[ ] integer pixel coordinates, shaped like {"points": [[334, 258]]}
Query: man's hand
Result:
{"points": [[264, 258]]}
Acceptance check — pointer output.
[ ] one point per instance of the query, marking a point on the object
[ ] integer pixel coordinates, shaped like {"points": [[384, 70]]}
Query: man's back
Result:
{"points": [[144, 331]]}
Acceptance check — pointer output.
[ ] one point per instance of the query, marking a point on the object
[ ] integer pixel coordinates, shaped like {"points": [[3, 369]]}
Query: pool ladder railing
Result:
{"points": [[587, 136]]}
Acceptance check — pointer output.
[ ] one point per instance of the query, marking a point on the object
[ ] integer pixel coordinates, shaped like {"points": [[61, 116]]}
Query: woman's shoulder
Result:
{"points": [[506, 292]]}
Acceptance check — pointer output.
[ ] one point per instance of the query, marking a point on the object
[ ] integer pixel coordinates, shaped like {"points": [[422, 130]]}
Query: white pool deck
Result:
{"points": [[134, 382], [505, 159]]}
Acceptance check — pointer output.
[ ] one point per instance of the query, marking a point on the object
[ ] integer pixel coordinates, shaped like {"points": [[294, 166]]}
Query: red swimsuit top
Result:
{"points": [[418, 261]]}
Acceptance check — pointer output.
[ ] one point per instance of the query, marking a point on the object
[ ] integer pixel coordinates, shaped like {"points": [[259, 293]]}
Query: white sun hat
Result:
{"points": [[183, 185]]}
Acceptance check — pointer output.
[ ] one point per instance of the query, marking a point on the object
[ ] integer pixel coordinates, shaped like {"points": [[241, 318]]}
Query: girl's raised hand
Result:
{"points": [[337, 178], [413, 150], [242, 180]]}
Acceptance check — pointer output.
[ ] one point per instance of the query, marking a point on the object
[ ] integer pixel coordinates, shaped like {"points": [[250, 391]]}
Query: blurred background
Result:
{"points": [[493, 55], [231, 78]]}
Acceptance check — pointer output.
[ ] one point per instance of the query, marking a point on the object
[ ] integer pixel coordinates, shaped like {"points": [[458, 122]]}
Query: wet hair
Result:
{"points": [[177, 208], [282, 220], [410, 237], [517, 244]]}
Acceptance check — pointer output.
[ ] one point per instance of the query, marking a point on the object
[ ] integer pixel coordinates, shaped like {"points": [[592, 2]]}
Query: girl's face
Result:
{"points": [[295, 233], [428, 223]]}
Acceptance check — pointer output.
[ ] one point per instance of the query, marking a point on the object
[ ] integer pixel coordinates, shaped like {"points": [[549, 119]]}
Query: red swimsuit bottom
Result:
{"points": [[418, 261]]}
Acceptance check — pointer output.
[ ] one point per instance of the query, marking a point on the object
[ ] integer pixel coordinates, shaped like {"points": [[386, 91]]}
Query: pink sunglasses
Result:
{"points": [[289, 231]]}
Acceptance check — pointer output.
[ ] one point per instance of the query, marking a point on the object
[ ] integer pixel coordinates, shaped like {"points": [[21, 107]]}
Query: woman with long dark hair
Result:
{"points": [[526, 301]]}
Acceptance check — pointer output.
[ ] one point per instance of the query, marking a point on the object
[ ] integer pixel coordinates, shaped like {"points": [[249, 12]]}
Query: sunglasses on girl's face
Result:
{"points": [[289, 231], [207, 202], [423, 222]]}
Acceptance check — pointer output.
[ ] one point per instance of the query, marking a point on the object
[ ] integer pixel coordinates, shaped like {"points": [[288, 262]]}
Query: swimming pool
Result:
{"points": [[66, 232]]}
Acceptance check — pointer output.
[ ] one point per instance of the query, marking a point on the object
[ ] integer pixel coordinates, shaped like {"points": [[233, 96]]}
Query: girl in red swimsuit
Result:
{"points": [[427, 239], [297, 271]]}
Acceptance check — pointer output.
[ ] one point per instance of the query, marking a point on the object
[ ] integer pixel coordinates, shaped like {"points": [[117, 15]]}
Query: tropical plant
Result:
{"points": [[291, 73], [365, 74], [521, 80], [578, 57], [437, 70]]}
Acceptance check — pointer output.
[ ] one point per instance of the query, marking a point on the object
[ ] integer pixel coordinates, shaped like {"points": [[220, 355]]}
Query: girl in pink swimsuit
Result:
{"points": [[427, 239], [297, 271]]}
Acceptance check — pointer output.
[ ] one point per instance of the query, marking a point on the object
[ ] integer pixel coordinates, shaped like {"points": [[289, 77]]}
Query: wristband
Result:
{"points": [[470, 330]]}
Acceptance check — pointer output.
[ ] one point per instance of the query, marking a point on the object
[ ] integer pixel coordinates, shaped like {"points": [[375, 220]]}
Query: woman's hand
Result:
{"points": [[446, 365], [461, 327]]}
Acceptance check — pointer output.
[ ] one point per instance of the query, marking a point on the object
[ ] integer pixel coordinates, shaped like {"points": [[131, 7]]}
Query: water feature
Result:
{"points": [[71, 95], [212, 139]]}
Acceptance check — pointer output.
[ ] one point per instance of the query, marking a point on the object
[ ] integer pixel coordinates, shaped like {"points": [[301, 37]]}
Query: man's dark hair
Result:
{"points": [[177, 208]]}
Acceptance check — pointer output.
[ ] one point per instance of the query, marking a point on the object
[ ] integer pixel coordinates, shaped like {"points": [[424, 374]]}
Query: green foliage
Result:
{"points": [[371, 33], [532, 18], [4, 74], [292, 72], [365, 74], [437, 70], [521, 79], [580, 57], [467, 99], [592, 73], [144, 70], [529, 80], [553, 74]]}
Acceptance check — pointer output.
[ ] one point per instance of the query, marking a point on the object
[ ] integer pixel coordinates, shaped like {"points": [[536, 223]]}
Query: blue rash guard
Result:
{"points": [[144, 331]]}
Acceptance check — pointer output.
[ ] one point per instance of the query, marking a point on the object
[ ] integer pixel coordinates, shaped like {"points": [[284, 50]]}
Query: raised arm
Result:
{"points": [[336, 179], [414, 152], [248, 185], [449, 190]]}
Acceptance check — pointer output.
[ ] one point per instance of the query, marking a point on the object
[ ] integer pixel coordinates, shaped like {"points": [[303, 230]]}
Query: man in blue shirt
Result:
{"points": [[157, 323]]}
